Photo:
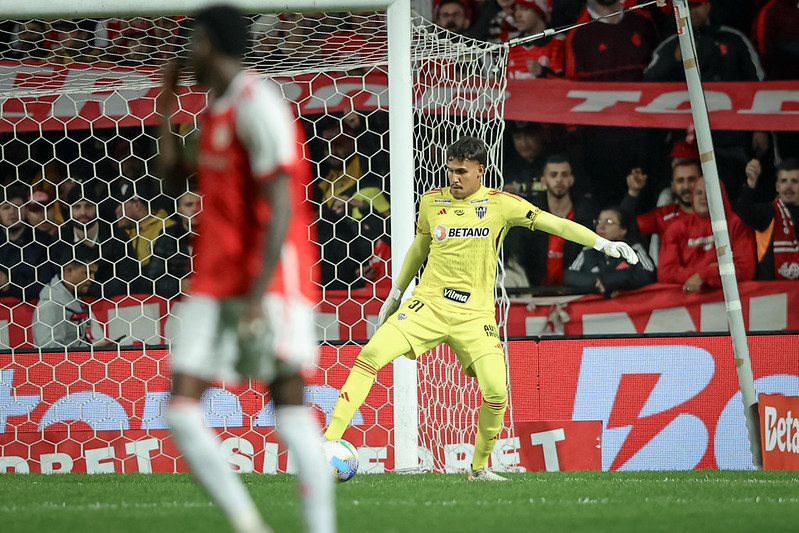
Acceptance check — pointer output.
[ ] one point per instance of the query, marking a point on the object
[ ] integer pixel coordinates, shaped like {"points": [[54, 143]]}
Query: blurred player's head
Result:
{"points": [[684, 174], [558, 178], [220, 35], [788, 181], [466, 163]]}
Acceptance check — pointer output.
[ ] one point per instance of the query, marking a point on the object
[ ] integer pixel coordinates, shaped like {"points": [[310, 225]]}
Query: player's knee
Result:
{"points": [[495, 393], [497, 401], [370, 360]]}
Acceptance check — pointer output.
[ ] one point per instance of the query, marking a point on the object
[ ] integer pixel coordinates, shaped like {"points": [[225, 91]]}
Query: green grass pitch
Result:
{"points": [[671, 502]]}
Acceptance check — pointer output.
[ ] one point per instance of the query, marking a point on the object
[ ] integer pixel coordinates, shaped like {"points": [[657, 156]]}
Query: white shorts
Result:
{"points": [[207, 345]]}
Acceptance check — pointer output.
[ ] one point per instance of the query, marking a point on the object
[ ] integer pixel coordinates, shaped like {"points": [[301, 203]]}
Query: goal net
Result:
{"points": [[78, 126]]}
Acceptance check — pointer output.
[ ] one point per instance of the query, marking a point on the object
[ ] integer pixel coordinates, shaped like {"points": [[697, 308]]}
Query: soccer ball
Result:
{"points": [[342, 458]]}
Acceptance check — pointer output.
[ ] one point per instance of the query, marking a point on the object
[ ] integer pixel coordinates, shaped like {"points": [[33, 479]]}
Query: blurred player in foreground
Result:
{"points": [[252, 290], [459, 232]]}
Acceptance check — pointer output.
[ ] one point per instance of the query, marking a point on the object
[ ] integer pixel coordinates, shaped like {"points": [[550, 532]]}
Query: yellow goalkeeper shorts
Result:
{"points": [[425, 326]]}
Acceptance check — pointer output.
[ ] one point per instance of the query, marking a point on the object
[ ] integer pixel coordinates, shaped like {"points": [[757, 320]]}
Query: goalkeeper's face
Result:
{"points": [[465, 177]]}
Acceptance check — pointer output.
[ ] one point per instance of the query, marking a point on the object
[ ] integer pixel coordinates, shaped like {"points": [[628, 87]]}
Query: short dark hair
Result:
{"points": [[625, 217], [790, 163], [470, 148], [226, 27], [557, 159], [443, 3], [686, 163]]}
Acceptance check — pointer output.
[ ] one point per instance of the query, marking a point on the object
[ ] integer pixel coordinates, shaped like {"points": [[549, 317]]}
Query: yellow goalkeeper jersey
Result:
{"points": [[466, 238]]}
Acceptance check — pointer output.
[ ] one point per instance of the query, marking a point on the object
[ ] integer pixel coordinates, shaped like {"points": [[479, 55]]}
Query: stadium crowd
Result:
{"points": [[99, 188]]}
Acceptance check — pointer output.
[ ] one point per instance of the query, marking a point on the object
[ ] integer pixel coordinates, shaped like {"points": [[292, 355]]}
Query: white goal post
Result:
{"points": [[479, 104]]}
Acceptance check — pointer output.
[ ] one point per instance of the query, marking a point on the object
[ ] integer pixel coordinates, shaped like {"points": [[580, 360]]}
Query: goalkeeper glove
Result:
{"points": [[390, 306], [616, 249]]}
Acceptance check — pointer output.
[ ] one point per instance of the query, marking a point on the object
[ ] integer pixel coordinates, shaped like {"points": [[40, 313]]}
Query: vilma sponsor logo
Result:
{"points": [[781, 432], [457, 296], [442, 233]]}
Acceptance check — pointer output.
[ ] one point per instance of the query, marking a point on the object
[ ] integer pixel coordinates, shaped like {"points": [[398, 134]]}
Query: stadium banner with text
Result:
{"points": [[663, 402], [732, 105], [779, 431]]}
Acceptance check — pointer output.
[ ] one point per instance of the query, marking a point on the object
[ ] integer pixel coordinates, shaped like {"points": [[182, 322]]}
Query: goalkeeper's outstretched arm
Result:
{"points": [[417, 253], [578, 233]]}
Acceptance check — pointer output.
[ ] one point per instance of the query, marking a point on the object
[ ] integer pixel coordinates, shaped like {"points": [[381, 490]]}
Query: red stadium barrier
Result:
{"points": [[767, 306], [654, 309], [747, 106], [664, 403]]}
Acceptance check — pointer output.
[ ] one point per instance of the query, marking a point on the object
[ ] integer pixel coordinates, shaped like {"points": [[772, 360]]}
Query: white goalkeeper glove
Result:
{"points": [[616, 249], [390, 306]]}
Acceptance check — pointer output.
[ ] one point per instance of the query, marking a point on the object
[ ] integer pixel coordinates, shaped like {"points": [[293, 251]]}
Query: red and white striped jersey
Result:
{"points": [[249, 136]]}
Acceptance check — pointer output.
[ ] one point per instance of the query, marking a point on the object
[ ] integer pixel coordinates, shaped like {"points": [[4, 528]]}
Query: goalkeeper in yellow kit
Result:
{"points": [[459, 231]]}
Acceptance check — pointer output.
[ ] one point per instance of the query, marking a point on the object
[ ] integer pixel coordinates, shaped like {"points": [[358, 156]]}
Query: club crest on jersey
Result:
{"points": [[221, 136], [481, 211], [442, 233]]}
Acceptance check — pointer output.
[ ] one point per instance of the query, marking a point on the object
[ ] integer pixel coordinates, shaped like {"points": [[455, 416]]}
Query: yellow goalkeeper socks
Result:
{"points": [[353, 394], [489, 424]]}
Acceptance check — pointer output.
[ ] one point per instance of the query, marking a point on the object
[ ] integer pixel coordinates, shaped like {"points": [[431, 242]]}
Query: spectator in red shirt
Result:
{"points": [[684, 175], [688, 254], [542, 57]]}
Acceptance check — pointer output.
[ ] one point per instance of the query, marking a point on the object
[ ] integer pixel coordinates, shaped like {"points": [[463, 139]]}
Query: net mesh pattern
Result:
{"points": [[78, 141]]}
